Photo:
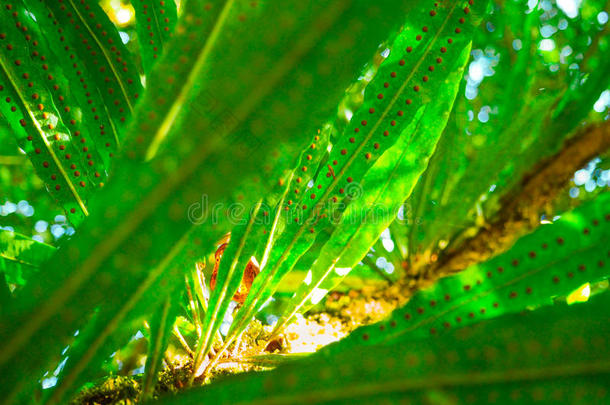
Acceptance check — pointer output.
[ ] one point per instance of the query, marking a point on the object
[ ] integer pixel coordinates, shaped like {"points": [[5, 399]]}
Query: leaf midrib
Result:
{"points": [[105, 53], [41, 133], [361, 389], [150, 373], [170, 116]]}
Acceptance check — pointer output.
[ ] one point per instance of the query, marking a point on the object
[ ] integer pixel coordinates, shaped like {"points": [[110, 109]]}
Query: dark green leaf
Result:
{"points": [[556, 355]]}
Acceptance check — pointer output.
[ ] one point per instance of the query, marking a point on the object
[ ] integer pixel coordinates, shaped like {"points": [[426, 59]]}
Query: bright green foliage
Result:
{"points": [[96, 42], [155, 21], [32, 113], [419, 62], [69, 87], [161, 325], [525, 107], [552, 261], [384, 188], [556, 355], [125, 251], [240, 106], [21, 256]]}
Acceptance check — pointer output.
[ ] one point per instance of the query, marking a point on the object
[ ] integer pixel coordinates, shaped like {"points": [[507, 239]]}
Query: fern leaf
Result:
{"points": [[155, 22], [552, 261], [150, 201], [391, 101], [42, 114], [161, 326], [384, 188], [554, 355], [96, 43]]}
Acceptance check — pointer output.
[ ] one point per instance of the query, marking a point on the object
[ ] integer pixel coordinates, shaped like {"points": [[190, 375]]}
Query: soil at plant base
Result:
{"points": [[342, 313]]}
